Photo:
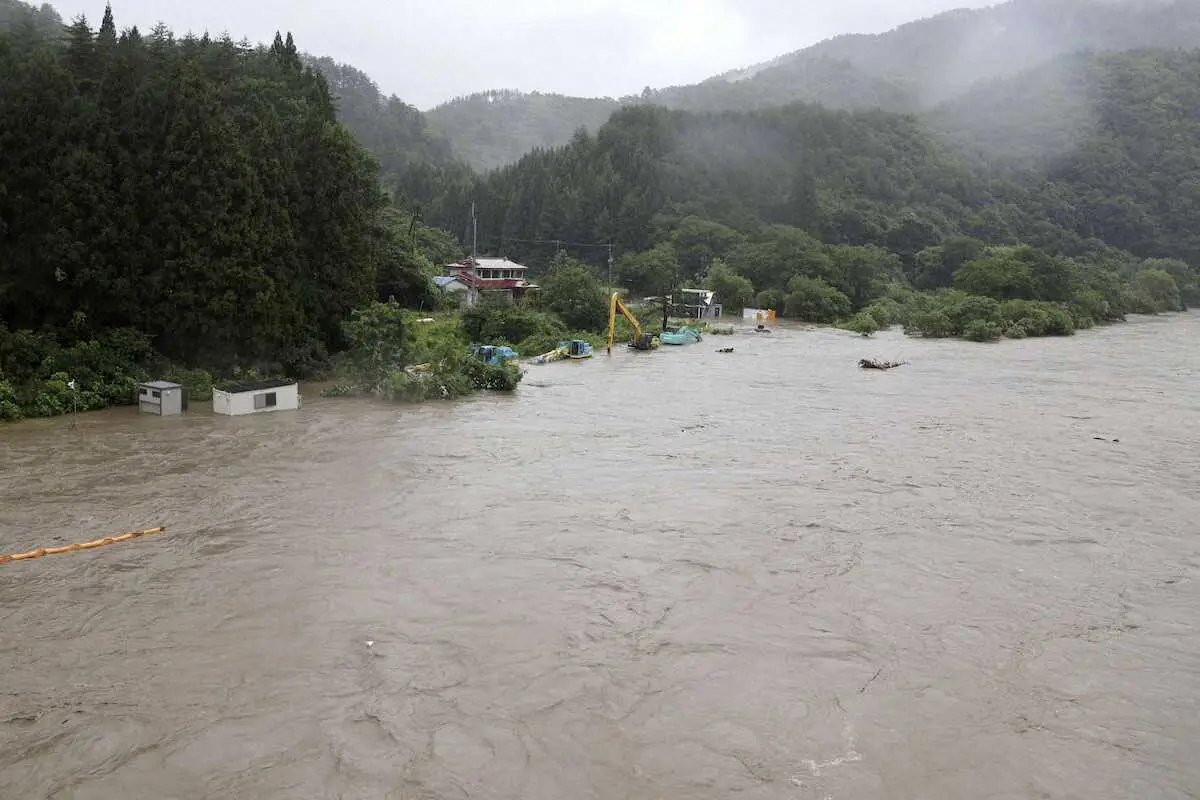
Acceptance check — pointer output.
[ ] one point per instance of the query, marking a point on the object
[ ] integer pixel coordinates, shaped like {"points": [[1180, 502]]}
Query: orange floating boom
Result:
{"points": [[71, 548]]}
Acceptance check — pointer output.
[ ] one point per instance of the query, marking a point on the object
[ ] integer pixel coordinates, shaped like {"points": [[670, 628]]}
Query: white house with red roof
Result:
{"points": [[494, 278]]}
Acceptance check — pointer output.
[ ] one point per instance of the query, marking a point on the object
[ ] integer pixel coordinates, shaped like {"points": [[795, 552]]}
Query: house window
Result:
{"points": [[264, 400], [156, 393], [145, 392]]}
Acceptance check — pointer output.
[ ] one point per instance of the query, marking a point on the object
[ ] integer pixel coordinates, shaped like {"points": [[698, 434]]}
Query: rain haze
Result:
{"points": [[427, 53]]}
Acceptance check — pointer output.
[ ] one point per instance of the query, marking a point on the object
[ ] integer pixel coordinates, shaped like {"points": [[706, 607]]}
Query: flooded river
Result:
{"points": [[681, 574]]}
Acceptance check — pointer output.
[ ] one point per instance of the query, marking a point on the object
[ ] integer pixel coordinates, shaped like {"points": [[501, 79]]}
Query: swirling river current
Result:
{"points": [[680, 574]]}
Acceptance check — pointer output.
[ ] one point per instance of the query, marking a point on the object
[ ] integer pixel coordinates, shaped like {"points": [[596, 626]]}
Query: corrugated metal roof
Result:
{"points": [[254, 386], [444, 280], [161, 385], [487, 263], [497, 263]]}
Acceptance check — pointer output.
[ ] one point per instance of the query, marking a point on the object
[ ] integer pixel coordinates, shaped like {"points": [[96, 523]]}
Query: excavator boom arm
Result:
{"points": [[614, 306]]}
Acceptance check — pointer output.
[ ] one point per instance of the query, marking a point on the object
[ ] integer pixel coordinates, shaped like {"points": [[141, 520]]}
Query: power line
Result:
{"points": [[559, 242]]}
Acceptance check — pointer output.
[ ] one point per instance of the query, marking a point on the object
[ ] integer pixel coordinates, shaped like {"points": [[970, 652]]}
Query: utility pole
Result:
{"points": [[474, 235]]}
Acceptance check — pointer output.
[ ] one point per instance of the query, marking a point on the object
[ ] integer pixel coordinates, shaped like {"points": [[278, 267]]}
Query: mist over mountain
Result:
{"points": [[15, 15], [914, 67]]}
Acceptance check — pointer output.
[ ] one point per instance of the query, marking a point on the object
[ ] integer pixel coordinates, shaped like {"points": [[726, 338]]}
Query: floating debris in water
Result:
{"points": [[870, 363]]}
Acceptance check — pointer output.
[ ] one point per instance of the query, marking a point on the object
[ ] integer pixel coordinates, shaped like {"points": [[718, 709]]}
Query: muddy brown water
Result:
{"points": [[681, 574]]}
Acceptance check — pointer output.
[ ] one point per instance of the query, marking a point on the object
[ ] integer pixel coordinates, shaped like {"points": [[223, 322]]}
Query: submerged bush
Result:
{"points": [[934, 324], [979, 330], [1038, 318], [38, 371], [863, 323], [398, 359], [197, 382], [485, 376], [955, 313], [10, 409], [886, 312], [498, 324]]}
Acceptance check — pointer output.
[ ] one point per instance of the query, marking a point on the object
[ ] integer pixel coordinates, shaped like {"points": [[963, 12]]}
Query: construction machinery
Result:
{"points": [[640, 340], [682, 335]]}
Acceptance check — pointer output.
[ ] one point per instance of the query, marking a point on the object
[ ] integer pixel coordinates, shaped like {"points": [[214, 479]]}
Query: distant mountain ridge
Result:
{"points": [[911, 68], [943, 56], [1012, 81]]}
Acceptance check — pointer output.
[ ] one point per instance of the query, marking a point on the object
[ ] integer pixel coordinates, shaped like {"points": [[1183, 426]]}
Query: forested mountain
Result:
{"points": [[489, 129], [835, 174], [1135, 182], [803, 193], [394, 131], [1025, 119], [912, 68], [1115, 137], [195, 192], [941, 57], [1030, 119], [830, 82]]}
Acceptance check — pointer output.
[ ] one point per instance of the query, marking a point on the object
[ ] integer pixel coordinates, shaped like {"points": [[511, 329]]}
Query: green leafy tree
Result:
{"points": [[936, 266], [862, 273], [1153, 291], [699, 242], [1187, 278], [378, 342], [571, 291], [814, 300], [652, 272], [1000, 273], [733, 291]]}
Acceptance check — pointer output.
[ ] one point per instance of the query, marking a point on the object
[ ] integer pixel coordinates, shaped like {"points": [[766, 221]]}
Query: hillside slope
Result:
{"points": [[1025, 119], [490, 129], [1128, 176], [914, 67], [941, 57], [395, 132]]}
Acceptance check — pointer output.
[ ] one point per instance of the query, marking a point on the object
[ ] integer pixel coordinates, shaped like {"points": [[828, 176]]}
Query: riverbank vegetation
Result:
{"points": [[197, 208], [394, 355]]}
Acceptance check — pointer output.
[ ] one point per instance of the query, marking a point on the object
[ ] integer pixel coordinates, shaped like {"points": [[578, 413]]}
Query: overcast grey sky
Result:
{"points": [[427, 52]]}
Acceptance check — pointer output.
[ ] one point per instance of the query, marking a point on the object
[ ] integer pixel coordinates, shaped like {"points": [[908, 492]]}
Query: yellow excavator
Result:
{"points": [[640, 340]]}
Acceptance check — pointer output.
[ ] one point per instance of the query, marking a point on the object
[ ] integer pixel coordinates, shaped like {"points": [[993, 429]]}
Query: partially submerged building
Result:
{"points": [[700, 304], [164, 398], [238, 399], [758, 314]]}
